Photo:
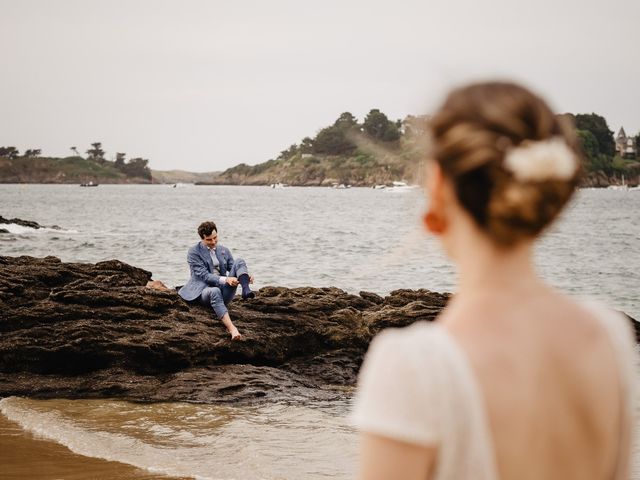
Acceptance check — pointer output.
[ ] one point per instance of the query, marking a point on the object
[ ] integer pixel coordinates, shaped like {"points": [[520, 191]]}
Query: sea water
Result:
{"points": [[356, 239]]}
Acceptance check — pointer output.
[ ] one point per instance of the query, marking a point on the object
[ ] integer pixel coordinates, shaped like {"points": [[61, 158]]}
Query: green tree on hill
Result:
{"points": [[392, 133], [306, 145], [332, 141], [590, 147], [377, 125], [9, 152], [96, 153], [119, 163], [75, 151], [289, 152], [137, 167], [336, 139], [597, 125], [346, 121], [589, 143], [32, 153]]}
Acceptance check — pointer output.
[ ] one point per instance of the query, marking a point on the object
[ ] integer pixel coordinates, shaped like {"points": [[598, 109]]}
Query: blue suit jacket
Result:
{"points": [[202, 272]]}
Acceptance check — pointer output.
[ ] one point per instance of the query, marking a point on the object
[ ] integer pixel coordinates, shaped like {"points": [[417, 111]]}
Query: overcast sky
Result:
{"points": [[205, 85]]}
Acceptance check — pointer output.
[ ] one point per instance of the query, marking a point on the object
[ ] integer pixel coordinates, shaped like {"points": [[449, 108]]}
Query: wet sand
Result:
{"points": [[24, 456], [113, 439]]}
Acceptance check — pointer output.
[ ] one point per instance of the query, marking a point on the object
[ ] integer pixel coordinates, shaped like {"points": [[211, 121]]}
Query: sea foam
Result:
{"points": [[52, 426], [21, 230]]}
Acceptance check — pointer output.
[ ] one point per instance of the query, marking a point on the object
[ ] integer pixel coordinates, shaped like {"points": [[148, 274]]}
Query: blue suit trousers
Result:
{"points": [[219, 297]]}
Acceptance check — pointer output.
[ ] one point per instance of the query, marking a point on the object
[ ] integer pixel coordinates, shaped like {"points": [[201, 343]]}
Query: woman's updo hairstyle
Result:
{"points": [[513, 163]]}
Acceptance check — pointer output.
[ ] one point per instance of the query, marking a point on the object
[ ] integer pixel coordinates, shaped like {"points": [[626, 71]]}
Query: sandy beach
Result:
{"points": [[23, 455]]}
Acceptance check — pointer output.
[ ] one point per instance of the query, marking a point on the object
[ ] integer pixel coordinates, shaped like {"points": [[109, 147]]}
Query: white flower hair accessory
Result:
{"points": [[549, 159]]}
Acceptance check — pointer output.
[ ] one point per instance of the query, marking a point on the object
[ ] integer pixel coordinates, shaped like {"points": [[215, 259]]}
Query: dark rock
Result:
{"points": [[23, 223], [17, 221], [372, 297], [600, 179], [73, 330], [94, 330]]}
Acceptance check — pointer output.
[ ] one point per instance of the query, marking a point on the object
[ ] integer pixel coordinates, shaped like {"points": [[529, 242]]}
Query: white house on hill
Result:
{"points": [[626, 146]]}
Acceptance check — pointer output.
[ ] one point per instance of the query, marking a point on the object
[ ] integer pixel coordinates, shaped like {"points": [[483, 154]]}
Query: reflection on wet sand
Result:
{"points": [[24, 456], [276, 441]]}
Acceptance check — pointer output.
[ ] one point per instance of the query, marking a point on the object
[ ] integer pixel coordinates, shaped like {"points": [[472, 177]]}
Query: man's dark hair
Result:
{"points": [[206, 228]]}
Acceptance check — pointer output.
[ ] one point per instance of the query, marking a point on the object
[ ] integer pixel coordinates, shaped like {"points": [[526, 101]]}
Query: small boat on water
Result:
{"points": [[278, 185], [89, 184]]}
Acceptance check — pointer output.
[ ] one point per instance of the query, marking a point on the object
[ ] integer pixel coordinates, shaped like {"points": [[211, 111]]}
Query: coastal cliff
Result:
{"points": [[72, 330]]}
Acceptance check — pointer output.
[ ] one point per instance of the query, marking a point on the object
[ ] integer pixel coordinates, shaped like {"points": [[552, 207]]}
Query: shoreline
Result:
{"points": [[267, 185], [25, 455], [126, 440]]}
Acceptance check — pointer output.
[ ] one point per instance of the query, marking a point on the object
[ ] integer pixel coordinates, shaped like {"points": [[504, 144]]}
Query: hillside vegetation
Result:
{"points": [[31, 167], [376, 151], [380, 151], [182, 176], [61, 170]]}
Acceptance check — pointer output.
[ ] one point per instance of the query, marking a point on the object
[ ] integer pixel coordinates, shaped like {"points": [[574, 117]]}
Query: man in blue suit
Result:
{"points": [[215, 276]]}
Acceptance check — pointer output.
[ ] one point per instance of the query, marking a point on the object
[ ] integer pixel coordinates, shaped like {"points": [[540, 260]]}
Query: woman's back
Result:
{"points": [[516, 381], [544, 367]]}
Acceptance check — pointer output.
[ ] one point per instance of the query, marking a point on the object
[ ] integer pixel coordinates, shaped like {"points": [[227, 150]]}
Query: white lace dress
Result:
{"points": [[416, 386]]}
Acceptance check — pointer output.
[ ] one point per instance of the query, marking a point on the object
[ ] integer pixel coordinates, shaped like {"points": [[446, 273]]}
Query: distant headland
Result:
{"points": [[376, 151]]}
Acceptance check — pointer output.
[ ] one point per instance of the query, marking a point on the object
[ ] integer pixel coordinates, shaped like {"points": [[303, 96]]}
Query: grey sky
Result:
{"points": [[205, 85]]}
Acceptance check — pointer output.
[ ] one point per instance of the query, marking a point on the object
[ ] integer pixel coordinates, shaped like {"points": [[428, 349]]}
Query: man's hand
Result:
{"points": [[250, 278], [232, 281]]}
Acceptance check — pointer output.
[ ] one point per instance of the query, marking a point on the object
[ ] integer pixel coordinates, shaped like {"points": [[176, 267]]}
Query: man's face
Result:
{"points": [[210, 241]]}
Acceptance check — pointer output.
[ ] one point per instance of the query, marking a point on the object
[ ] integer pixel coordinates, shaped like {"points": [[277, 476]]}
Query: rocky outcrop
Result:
{"points": [[72, 330], [22, 223], [602, 180], [94, 330]]}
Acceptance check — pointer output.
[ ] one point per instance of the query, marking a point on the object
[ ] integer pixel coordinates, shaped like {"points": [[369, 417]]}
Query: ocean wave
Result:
{"points": [[275, 441], [21, 230], [53, 426]]}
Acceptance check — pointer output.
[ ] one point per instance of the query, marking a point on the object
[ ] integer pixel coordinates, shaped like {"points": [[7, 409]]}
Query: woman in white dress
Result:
{"points": [[514, 380]]}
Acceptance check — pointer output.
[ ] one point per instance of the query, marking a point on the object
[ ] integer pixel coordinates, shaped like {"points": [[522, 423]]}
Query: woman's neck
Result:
{"points": [[485, 269]]}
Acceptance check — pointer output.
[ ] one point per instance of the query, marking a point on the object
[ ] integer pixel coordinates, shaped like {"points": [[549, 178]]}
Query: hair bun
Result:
{"points": [[513, 163]]}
